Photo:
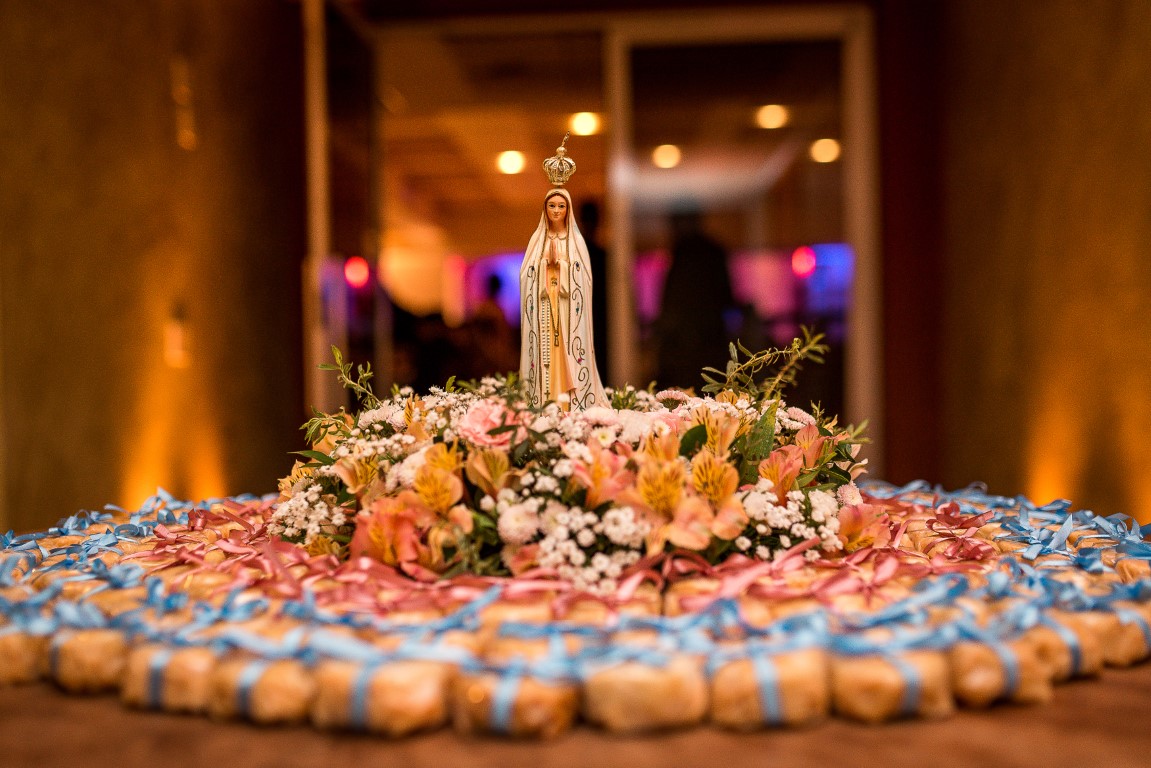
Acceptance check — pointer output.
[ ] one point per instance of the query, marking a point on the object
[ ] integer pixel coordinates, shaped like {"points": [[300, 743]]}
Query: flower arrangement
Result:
{"points": [[469, 478]]}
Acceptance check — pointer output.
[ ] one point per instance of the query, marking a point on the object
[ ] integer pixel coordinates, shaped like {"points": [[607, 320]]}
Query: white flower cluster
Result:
{"points": [[389, 412], [403, 473], [517, 517], [793, 419], [587, 551], [363, 444], [308, 513], [776, 527]]}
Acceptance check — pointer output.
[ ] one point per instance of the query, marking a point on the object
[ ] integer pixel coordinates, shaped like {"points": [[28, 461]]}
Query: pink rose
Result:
{"points": [[485, 416]]}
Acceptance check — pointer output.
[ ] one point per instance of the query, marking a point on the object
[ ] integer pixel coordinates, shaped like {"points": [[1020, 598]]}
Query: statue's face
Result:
{"points": [[557, 210]]}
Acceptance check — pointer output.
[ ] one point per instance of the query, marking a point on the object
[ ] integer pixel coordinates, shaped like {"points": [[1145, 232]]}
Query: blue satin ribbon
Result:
{"points": [[1010, 663], [305, 609], [77, 523], [58, 639], [79, 615], [467, 616], [287, 647], [249, 676], [767, 683], [1129, 616], [504, 696], [157, 665], [8, 568], [912, 684], [358, 707], [335, 646], [912, 610], [30, 622], [884, 490], [1070, 639]]}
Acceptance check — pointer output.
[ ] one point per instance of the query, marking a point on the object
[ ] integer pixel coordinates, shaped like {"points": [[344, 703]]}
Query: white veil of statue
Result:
{"points": [[556, 329]]}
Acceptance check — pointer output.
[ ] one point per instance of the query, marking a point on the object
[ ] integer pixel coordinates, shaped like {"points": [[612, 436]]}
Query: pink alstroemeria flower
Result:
{"points": [[522, 558], [390, 532], [782, 468], [811, 444], [864, 525], [603, 477]]}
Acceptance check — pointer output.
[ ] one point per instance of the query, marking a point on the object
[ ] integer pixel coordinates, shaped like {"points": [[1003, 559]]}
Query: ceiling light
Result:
{"points": [[510, 162], [771, 116], [666, 156], [584, 123], [825, 150]]}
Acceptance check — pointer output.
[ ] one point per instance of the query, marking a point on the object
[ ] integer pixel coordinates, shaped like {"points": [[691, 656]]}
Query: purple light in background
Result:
{"points": [[764, 280], [650, 275], [506, 267], [829, 286]]}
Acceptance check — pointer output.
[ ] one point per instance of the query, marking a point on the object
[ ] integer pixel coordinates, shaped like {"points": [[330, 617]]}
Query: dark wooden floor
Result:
{"points": [[1102, 722]]}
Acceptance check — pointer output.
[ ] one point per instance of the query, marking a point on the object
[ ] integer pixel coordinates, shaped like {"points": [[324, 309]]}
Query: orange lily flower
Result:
{"points": [[488, 470], [357, 474], [811, 443], [438, 492], [675, 515], [722, 429], [659, 448], [717, 481]]}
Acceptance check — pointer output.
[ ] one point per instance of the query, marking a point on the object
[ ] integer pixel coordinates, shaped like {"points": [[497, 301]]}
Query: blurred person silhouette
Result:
{"points": [[589, 214], [691, 331], [493, 346]]}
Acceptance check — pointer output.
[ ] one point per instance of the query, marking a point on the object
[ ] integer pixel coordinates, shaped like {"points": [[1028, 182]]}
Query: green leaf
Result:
{"points": [[805, 478], [748, 472], [319, 456], [838, 476], [692, 440], [761, 438]]}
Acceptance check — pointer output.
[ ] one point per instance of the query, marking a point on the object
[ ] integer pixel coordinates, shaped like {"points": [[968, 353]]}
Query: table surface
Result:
{"points": [[1098, 722]]}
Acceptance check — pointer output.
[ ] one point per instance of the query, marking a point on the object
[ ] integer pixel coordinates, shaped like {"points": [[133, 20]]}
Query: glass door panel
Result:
{"points": [[467, 120], [737, 206]]}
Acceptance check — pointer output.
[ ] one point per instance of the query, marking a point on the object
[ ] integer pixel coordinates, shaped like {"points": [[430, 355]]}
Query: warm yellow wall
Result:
{"points": [[109, 227], [1047, 165]]}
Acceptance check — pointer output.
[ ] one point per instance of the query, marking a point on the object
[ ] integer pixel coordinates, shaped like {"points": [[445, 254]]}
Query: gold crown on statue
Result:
{"points": [[560, 167]]}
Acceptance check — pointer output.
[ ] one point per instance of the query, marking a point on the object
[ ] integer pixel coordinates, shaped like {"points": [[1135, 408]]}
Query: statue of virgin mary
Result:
{"points": [[557, 361]]}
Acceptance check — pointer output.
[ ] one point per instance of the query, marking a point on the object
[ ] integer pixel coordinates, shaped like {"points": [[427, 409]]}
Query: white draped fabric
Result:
{"points": [[570, 316]]}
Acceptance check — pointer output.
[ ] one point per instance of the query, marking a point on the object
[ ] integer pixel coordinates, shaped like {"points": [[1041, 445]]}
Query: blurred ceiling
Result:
{"points": [[449, 102]]}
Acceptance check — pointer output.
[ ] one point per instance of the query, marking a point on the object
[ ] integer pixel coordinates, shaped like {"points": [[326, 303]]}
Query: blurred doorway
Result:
{"points": [[741, 140], [467, 118]]}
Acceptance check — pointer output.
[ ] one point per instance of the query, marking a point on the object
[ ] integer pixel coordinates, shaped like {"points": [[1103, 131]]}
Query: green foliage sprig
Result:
{"points": [[741, 376], [361, 385], [321, 424]]}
